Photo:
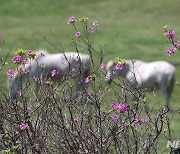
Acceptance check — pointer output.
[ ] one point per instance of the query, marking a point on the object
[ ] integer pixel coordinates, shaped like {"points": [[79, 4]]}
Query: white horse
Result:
{"points": [[158, 74], [65, 65]]}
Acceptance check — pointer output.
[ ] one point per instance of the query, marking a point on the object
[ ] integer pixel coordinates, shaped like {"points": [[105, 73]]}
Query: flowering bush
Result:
{"points": [[175, 43], [101, 119]]}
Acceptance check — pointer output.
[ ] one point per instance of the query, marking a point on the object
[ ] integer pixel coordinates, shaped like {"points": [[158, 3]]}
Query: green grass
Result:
{"points": [[130, 29]]}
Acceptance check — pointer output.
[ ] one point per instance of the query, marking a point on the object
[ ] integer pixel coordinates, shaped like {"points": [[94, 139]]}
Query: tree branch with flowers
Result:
{"points": [[101, 119]]}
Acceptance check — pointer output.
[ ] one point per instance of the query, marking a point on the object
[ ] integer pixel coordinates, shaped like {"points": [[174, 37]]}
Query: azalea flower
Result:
{"points": [[25, 60], [95, 23], [71, 20], [88, 79], [10, 72], [170, 33], [78, 119], [113, 104], [78, 34], [102, 66], [115, 117], [31, 53], [171, 50], [17, 59], [23, 126], [122, 107], [91, 29], [20, 92], [138, 120], [119, 67], [53, 73]]}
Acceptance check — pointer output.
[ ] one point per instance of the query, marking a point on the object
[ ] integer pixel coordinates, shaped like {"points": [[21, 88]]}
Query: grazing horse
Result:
{"points": [[158, 74], [63, 65]]}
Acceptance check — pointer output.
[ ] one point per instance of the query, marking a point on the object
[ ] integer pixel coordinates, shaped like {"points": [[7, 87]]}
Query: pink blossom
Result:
{"points": [[176, 43], [116, 117], [54, 72], [171, 50], [113, 104], [10, 72], [25, 60], [122, 107], [138, 120], [30, 52], [91, 29], [119, 66], [78, 119], [71, 20], [102, 66], [95, 23], [88, 79], [78, 34], [17, 59], [170, 33], [168, 52], [23, 126], [145, 120], [20, 92], [1, 36]]}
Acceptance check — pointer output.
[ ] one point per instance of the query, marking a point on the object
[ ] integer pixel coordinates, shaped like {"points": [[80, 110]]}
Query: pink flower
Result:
{"points": [[138, 120], [171, 50], [115, 117], [20, 92], [113, 104], [101, 66], [31, 53], [144, 120], [1, 36], [17, 59], [170, 33], [78, 34], [23, 126], [25, 60], [88, 79], [54, 72], [10, 73], [71, 20], [122, 107], [91, 29], [95, 23], [168, 52], [119, 66], [176, 43], [78, 119]]}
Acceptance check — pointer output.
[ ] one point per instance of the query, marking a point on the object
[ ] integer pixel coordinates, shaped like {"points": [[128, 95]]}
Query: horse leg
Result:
{"points": [[166, 95]]}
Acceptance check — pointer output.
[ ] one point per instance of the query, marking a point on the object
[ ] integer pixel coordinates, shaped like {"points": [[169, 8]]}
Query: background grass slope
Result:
{"points": [[130, 29]]}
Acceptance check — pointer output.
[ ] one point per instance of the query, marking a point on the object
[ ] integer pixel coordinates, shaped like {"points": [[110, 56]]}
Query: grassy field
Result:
{"points": [[128, 29]]}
